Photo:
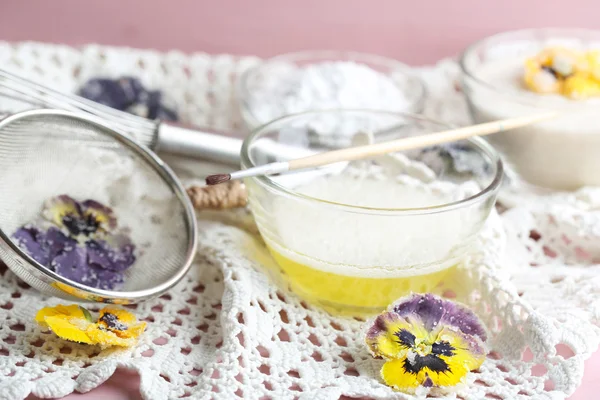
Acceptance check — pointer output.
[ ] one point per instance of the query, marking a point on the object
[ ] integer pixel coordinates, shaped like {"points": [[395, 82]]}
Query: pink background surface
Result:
{"points": [[416, 32]]}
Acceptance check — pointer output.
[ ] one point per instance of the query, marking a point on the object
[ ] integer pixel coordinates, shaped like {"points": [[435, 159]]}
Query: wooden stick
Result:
{"points": [[361, 152]]}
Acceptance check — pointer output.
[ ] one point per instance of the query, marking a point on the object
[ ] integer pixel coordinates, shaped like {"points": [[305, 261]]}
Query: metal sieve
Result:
{"points": [[46, 153]]}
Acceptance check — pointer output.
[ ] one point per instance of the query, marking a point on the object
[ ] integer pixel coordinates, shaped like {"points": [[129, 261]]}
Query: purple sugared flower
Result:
{"points": [[115, 254], [128, 94], [28, 239], [427, 342], [82, 244], [71, 264], [42, 246], [118, 93]]}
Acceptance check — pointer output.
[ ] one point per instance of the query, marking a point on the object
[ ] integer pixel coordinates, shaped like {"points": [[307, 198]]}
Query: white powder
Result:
{"points": [[369, 245], [280, 88], [114, 178]]}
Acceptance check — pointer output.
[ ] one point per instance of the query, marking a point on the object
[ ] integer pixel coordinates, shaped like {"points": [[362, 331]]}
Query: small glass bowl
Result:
{"points": [[254, 84], [354, 237], [558, 154]]}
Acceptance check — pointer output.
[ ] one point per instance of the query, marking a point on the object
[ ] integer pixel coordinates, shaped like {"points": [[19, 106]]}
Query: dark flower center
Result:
{"points": [[406, 338], [113, 322], [555, 73], [443, 349], [86, 224], [431, 361]]}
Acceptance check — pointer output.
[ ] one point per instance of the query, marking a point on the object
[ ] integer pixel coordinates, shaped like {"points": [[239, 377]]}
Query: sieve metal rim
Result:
{"points": [[168, 176]]}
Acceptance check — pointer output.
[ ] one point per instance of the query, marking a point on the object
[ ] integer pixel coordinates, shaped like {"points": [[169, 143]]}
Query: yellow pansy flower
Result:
{"points": [[427, 342], [114, 327], [567, 72]]}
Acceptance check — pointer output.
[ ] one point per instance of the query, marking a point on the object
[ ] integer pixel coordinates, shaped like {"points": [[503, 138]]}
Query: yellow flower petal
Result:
{"points": [[581, 86], [465, 355], [59, 311], [122, 315], [58, 207], [395, 375], [107, 338], [383, 339], [72, 329], [122, 323], [118, 327]]}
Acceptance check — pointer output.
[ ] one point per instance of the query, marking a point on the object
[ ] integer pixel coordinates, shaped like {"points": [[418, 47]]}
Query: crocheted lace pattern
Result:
{"points": [[226, 332]]}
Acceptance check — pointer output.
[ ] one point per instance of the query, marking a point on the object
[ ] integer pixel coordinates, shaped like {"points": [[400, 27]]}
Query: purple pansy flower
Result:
{"points": [[82, 245], [115, 254], [128, 94]]}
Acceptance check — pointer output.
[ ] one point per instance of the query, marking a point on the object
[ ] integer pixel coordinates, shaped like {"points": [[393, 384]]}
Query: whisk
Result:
{"points": [[157, 135]]}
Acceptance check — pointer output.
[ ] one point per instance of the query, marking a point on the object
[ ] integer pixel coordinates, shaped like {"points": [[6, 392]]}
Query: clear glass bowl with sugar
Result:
{"points": [[320, 80], [353, 237], [558, 154]]}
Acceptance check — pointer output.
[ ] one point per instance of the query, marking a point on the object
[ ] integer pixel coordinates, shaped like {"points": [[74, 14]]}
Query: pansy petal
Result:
{"points": [[435, 311], [102, 214], [55, 242], [72, 264], [72, 311], [56, 208], [107, 338], [394, 374], [102, 278], [464, 319], [427, 307], [64, 328], [468, 352], [384, 338], [107, 279], [27, 238], [124, 250], [116, 253], [121, 322]]}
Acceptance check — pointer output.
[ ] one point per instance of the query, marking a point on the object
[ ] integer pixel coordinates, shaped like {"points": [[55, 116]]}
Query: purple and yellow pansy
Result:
{"points": [[427, 342], [79, 241]]}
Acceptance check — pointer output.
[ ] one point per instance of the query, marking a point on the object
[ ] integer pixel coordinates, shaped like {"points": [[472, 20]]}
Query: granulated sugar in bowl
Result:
{"points": [[321, 80]]}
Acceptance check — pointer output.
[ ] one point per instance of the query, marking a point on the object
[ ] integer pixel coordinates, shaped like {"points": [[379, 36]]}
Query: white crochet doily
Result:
{"points": [[226, 332]]}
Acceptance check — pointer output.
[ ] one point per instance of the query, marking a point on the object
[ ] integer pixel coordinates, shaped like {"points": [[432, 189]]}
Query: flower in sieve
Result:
{"points": [[87, 250], [427, 342], [114, 327], [86, 218], [42, 246], [115, 253]]}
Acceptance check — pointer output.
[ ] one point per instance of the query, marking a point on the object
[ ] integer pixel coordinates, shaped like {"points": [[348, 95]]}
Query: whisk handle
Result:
{"points": [[205, 144]]}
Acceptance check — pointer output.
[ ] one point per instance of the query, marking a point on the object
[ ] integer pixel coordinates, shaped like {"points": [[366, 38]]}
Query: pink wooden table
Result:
{"points": [[416, 32]]}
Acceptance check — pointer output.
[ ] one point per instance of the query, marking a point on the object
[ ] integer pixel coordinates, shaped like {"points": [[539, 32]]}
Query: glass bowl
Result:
{"points": [[558, 154], [280, 86], [354, 237]]}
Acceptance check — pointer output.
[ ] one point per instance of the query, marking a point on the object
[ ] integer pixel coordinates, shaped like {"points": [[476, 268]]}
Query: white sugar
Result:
{"points": [[280, 88]]}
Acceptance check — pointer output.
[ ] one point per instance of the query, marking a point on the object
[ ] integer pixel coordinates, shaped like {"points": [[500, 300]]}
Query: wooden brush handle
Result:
{"points": [[414, 142]]}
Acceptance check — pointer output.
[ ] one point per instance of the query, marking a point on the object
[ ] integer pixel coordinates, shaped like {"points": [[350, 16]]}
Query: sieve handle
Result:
{"points": [[205, 144]]}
